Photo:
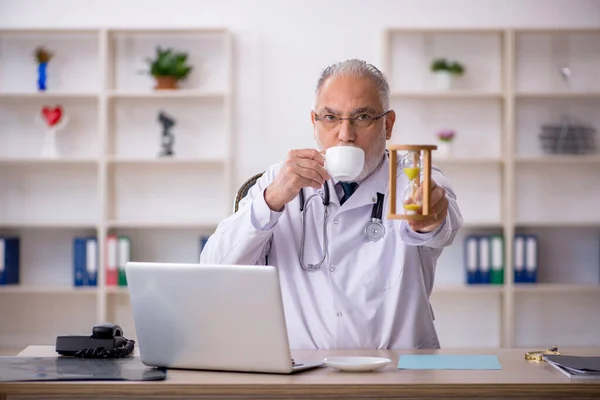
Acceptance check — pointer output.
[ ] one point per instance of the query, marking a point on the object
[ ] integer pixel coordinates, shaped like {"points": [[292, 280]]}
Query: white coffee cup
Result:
{"points": [[344, 163]]}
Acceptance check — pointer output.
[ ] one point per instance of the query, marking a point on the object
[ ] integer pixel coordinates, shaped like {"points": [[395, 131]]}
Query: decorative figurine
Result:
{"points": [[416, 202], [42, 56], [167, 136], [55, 120]]}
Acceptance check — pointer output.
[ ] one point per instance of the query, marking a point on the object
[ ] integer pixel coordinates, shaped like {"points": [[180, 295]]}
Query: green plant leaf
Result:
{"points": [[439, 64], [168, 62]]}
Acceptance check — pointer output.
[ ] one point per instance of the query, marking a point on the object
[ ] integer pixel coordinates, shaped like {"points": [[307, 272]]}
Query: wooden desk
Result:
{"points": [[517, 379]]}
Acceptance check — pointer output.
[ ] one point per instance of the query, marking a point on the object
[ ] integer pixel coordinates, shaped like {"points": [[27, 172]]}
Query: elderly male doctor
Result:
{"points": [[366, 294]]}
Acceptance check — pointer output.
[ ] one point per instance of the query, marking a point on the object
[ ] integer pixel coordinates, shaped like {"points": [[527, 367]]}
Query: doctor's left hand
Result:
{"points": [[439, 206]]}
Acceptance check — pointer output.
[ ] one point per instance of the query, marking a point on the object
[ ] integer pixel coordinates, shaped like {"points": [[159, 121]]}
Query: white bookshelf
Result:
{"points": [[504, 182], [109, 178]]}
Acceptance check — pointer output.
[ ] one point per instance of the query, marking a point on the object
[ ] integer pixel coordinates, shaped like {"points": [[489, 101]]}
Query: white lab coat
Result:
{"points": [[372, 295]]}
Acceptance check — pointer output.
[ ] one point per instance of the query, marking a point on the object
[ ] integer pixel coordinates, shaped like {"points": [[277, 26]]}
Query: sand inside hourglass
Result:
{"points": [[412, 173]]}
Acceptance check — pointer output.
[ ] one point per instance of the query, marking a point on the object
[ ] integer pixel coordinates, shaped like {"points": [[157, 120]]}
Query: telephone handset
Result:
{"points": [[106, 341]]}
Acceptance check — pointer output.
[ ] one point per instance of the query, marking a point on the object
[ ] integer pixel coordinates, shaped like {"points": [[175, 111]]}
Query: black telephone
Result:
{"points": [[107, 341]]}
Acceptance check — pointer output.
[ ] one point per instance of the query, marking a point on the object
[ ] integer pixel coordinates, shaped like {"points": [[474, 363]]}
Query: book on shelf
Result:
{"points": [[112, 272], [85, 261], [10, 260], [124, 256], [118, 254]]}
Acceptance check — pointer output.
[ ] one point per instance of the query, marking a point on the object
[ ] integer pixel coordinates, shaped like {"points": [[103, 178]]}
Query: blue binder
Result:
{"points": [[519, 258], [10, 259], [484, 260], [203, 240], [531, 259], [85, 261], [91, 265], [471, 255]]}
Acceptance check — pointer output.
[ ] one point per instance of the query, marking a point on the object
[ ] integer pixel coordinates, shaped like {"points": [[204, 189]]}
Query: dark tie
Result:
{"points": [[348, 188]]}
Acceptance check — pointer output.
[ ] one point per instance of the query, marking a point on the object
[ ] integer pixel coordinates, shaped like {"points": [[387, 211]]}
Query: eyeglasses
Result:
{"points": [[362, 120]]}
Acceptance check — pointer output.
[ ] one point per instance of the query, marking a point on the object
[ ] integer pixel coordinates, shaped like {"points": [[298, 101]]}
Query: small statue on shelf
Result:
{"points": [[167, 136], [42, 56], [54, 120]]}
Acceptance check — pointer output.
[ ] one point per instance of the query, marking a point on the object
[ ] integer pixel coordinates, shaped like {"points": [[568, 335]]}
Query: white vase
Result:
{"points": [[443, 80], [50, 150], [444, 149]]}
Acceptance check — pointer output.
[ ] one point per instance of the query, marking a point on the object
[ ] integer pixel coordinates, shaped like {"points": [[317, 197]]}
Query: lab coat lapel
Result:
{"points": [[366, 194]]}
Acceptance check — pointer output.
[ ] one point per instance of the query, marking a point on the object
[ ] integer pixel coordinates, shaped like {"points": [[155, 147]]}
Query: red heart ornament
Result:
{"points": [[52, 115]]}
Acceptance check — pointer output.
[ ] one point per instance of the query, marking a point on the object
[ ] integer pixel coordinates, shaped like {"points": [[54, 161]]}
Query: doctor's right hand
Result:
{"points": [[302, 168]]}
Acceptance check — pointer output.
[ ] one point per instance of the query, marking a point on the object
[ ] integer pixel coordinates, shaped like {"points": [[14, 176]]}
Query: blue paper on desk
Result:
{"points": [[448, 361]]}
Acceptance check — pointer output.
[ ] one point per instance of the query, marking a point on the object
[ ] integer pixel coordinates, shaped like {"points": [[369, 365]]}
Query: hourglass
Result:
{"points": [[415, 197]]}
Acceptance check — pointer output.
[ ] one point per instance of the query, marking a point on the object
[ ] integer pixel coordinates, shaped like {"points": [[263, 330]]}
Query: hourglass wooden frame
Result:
{"points": [[426, 166]]}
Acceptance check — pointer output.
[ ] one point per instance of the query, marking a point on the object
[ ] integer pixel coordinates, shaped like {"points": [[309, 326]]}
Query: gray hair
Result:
{"points": [[358, 68]]}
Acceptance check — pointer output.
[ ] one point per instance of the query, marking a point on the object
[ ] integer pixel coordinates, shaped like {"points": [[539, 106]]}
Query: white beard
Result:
{"points": [[373, 157]]}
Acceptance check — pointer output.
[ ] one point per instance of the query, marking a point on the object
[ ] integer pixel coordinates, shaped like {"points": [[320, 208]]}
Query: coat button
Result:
{"points": [[335, 221], [339, 314], [332, 268]]}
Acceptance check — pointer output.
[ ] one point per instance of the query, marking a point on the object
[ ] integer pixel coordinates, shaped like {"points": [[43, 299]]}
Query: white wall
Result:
{"points": [[281, 46]]}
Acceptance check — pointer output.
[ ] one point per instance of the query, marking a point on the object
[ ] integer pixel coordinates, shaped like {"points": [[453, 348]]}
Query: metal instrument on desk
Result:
{"points": [[538, 355]]}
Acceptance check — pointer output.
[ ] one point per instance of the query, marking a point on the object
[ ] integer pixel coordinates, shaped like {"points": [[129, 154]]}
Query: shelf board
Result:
{"points": [[445, 30], [167, 94], [465, 289], [47, 161], [556, 288], [162, 224], [559, 159], [49, 224], [558, 224], [482, 224], [447, 95], [174, 30], [48, 95], [165, 160], [465, 160], [48, 289], [558, 95]]}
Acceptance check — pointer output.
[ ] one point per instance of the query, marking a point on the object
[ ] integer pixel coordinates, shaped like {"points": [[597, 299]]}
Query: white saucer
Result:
{"points": [[356, 364]]}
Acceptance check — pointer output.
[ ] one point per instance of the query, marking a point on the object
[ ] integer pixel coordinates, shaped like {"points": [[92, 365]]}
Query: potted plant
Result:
{"points": [[445, 71], [445, 138], [168, 68], [42, 57]]}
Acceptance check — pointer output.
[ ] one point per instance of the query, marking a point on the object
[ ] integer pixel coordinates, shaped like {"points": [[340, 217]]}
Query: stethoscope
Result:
{"points": [[374, 229]]}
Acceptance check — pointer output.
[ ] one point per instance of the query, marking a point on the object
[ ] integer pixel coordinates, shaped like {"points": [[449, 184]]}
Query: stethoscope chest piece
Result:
{"points": [[374, 230]]}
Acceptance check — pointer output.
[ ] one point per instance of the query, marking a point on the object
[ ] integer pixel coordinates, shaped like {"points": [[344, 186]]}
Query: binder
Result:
{"points": [[85, 261], [91, 266], [112, 273], [203, 240], [531, 259], [471, 259], [497, 260], [79, 261], [124, 255], [484, 260], [519, 259], [10, 260]]}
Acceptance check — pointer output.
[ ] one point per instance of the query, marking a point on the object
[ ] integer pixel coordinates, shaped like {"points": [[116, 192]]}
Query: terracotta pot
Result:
{"points": [[165, 82]]}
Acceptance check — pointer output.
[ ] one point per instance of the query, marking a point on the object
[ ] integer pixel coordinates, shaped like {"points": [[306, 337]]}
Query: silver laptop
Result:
{"points": [[211, 317]]}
